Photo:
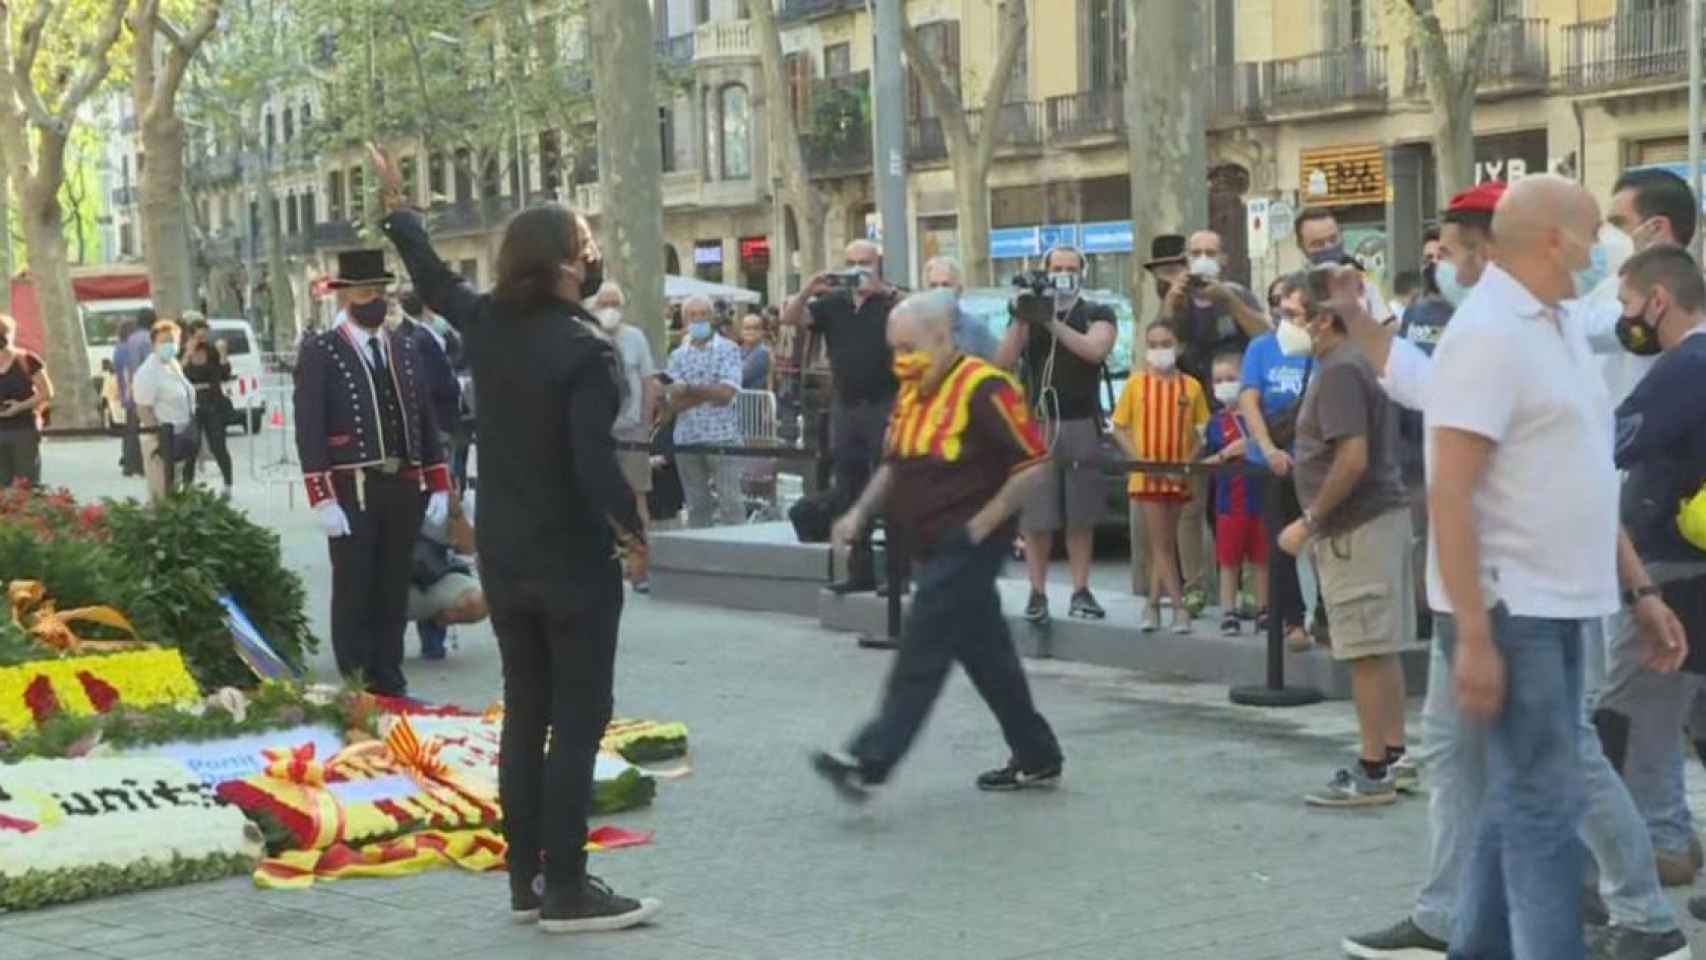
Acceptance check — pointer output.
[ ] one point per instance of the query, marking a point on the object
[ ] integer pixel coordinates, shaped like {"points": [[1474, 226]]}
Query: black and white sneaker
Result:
{"points": [[843, 773], [525, 898], [1036, 610], [1230, 627], [594, 908], [1401, 941], [1085, 607], [1622, 943], [1012, 777]]}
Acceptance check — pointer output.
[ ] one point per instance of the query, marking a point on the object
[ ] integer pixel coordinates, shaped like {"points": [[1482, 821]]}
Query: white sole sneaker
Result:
{"points": [[522, 917], [647, 909]]}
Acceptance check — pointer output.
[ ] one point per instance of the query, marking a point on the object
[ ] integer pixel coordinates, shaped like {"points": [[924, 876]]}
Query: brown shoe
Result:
{"points": [[1675, 870]]}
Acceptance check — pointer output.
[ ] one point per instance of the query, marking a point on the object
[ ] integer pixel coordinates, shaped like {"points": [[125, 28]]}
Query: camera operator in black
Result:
{"points": [[850, 309], [1063, 340]]}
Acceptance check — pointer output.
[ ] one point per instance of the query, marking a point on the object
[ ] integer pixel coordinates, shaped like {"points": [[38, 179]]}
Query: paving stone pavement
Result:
{"points": [[1179, 829]]}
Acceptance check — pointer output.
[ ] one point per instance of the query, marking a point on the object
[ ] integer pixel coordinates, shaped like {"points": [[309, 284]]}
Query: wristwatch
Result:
{"points": [[1309, 521], [1632, 597]]}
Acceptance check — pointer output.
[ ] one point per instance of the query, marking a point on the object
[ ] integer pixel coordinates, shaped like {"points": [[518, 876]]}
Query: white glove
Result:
{"points": [[438, 509], [332, 519]]}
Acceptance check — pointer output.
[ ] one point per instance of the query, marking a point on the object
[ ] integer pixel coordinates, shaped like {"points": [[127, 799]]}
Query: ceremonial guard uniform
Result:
{"points": [[373, 463]]}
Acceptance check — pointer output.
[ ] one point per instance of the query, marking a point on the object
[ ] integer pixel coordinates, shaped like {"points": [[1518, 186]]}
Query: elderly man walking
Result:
{"points": [[1516, 577]]}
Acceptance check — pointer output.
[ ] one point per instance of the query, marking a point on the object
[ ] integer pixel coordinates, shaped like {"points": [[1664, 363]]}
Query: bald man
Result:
{"points": [[1525, 550], [850, 309]]}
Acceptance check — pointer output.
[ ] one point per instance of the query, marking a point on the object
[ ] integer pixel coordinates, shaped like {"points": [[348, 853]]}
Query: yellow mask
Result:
{"points": [[912, 365]]}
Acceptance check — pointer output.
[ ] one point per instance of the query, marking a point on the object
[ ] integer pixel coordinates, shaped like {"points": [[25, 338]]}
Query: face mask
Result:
{"points": [[1206, 267], [167, 352], [912, 365], [1637, 335], [1619, 246], [370, 314], [1445, 277], [1590, 276], [1065, 285], [1332, 254], [592, 279], [1162, 358], [1294, 341], [700, 330], [609, 318], [1226, 391]]}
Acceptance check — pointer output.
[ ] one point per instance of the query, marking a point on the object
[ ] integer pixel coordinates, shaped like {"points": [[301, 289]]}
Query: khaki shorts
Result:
{"points": [[1073, 499], [441, 596], [1368, 582], [637, 468]]}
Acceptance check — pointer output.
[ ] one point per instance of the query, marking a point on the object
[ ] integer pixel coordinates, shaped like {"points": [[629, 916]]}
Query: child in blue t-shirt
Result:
{"points": [[1240, 537]]}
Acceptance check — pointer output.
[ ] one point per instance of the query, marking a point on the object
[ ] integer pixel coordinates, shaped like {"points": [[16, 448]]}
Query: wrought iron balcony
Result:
{"points": [[332, 235], [1019, 125], [802, 9], [1514, 60], [1235, 95], [1348, 80], [1086, 115], [1636, 49], [925, 140]]}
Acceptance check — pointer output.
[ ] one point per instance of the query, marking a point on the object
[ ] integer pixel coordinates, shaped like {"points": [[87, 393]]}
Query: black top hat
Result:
{"points": [[1165, 249], [361, 268]]}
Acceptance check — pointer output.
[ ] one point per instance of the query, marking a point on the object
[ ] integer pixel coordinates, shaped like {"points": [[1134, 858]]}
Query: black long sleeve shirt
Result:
{"points": [[551, 497]]}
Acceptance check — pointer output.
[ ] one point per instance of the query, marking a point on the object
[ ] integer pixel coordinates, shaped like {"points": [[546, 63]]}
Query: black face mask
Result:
{"points": [[1328, 255], [1637, 335], [370, 314], [592, 279]]}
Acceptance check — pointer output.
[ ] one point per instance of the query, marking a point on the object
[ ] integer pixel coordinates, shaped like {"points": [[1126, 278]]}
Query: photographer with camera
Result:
{"points": [[1063, 341], [850, 309]]}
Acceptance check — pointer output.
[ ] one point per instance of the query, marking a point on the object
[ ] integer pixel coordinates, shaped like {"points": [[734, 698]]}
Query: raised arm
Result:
{"points": [[441, 289]]}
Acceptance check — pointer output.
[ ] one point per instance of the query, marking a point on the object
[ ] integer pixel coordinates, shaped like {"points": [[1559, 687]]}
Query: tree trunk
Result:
{"points": [[66, 354], [5, 239], [165, 222], [1454, 146], [630, 158], [971, 204], [281, 308], [1165, 102]]}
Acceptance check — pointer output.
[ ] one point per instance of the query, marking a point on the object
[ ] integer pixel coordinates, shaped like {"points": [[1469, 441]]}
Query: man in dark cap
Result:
{"points": [[373, 459]]}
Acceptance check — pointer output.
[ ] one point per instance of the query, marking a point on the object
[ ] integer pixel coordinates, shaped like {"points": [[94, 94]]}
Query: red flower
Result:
{"points": [[41, 699], [92, 516], [101, 693]]}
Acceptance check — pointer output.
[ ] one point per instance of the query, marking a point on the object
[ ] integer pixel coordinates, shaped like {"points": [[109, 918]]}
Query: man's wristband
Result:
{"points": [[1309, 521], [1632, 597]]}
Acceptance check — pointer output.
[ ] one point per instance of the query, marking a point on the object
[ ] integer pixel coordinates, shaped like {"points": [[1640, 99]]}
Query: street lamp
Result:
{"points": [[439, 36]]}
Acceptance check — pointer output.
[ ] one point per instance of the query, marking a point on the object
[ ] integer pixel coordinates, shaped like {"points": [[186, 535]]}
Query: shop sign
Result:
{"points": [[1510, 156], [1112, 236], [1013, 242], [708, 255], [1339, 176], [754, 249], [1064, 235]]}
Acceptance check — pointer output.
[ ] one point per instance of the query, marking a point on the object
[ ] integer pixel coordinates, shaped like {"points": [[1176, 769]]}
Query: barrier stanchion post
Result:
{"points": [[164, 452], [1274, 693]]}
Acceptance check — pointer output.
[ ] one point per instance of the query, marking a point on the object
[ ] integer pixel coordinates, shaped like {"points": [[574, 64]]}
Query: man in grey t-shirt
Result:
{"points": [[1356, 521]]}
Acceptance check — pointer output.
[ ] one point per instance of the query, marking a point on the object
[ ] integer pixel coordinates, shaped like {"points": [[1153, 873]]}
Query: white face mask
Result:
{"points": [[1226, 391], [1294, 341], [609, 318], [1206, 267], [1162, 358]]}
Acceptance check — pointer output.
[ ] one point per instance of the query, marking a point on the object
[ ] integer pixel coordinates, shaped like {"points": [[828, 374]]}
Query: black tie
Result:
{"points": [[378, 355]]}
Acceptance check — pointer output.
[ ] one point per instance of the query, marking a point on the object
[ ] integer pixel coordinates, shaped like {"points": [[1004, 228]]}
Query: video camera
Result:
{"points": [[1035, 300], [850, 279]]}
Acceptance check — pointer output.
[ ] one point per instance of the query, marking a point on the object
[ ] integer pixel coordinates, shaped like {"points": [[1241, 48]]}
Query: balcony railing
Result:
{"points": [[801, 9], [473, 214], [1019, 125], [1634, 49], [1235, 94], [1087, 115], [677, 50], [333, 234], [1328, 82], [1515, 56], [925, 140], [724, 40], [220, 168]]}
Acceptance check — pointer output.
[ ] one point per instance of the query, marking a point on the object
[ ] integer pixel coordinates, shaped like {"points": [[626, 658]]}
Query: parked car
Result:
{"points": [[989, 304], [248, 404]]}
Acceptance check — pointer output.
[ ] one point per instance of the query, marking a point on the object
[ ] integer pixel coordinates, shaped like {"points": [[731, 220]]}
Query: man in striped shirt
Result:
{"points": [[961, 454]]}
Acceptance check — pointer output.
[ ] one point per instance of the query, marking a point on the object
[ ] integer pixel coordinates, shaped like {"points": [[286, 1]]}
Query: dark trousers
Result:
{"points": [[130, 451], [1285, 593], [855, 448], [370, 578], [558, 642], [956, 615], [210, 422], [20, 458]]}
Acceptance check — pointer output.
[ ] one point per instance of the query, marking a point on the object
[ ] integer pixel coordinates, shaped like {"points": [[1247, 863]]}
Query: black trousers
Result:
{"points": [[210, 421], [956, 615], [558, 642], [855, 448], [370, 577], [20, 457], [130, 451]]}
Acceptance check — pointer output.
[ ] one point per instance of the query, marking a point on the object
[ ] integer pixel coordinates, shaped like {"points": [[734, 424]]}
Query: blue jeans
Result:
{"points": [[1521, 895], [1611, 827]]}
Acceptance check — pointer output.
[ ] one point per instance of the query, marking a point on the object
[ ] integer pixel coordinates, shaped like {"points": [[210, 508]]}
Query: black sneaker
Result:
{"points": [[1401, 941], [1085, 607], [525, 898], [1011, 777], [1036, 610], [593, 908], [1230, 627], [843, 774], [1622, 943]]}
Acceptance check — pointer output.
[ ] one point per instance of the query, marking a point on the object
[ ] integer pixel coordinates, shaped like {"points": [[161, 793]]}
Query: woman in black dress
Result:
{"points": [[24, 392], [554, 511], [208, 369]]}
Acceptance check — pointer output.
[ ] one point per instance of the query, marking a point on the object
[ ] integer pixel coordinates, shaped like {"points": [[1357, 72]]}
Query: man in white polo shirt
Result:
{"points": [[1525, 550]]}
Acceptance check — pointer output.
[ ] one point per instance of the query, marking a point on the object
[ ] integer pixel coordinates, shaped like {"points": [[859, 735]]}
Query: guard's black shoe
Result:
{"points": [[592, 908], [843, 773], [1013, 777]]}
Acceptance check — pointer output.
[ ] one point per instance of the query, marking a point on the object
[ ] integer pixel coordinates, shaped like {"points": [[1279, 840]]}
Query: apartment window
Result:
{"points": [[435, 177], [407, 170], [464, 175], [308, 212], [520, 176], [357, 195], [470, 270], [289, 124], [736, 116], [1344, 23], [941, 43], [307, 115], [272, 132], [838, 60], [666, 137], [1019, 88], [490, 177], [701, 11], [546, 40], [292, 217], [335, 195], [126, 242], [124, 169], [1105, 39], [798, 68], [551, 162]]}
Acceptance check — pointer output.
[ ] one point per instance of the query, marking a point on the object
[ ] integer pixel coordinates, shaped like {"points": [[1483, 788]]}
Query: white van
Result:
{"points": [[244, 388]]}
